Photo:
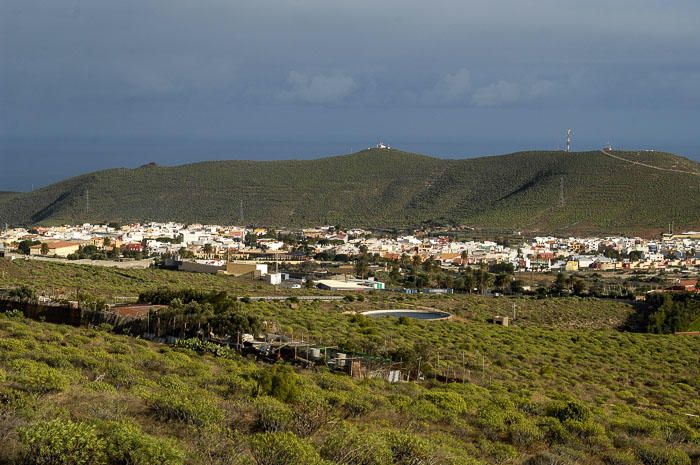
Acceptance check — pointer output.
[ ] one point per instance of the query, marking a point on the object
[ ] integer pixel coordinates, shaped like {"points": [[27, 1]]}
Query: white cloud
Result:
{"points": [[319, 88], [497, 94]]}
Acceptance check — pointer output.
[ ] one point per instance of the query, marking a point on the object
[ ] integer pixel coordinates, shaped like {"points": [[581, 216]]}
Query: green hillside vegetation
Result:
{"points": [[64, 280], [386, 188], [534, 396]]}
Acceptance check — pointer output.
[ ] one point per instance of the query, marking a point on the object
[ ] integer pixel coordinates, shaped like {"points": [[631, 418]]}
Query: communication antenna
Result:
{"points": [[562, 201], [569, 136]]}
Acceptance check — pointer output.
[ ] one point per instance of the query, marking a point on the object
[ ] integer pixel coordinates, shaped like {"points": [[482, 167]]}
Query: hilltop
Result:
{"points": [[627, 192]]}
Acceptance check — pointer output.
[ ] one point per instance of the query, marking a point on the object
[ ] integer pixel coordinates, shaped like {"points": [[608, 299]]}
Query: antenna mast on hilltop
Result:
{"points": [[569, 136]]}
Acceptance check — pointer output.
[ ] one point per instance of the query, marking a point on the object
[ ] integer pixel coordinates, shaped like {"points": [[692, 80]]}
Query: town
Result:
{"points": [[353, 259]]}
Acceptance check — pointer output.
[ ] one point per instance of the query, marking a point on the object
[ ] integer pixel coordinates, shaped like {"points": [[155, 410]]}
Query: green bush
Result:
{"points": [[273, 415], [359, 403], [678, 432], [37, 377], [570, 410], [553, 430], [335, 382], [449, 403], [524, 432], [637, 426], [128, 445], [408, 449], [348, 446], [279, 381], [619, 457], [13, 399], [194, 408], [61, 442], [310, 413], [282, 449], [663, 456]]}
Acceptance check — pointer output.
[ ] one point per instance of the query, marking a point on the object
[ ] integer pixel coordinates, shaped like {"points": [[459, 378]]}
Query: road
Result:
{"points": [[646, 165]]}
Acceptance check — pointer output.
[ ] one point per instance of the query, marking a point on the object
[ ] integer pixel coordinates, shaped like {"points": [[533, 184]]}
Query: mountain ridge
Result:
{"points": [[551, 191]]}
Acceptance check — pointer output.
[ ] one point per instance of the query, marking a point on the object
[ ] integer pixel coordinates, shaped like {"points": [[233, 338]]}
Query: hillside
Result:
{"points": [[533, 396], [617, 192]]}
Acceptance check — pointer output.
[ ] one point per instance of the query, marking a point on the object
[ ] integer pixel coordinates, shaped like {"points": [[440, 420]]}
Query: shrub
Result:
{"points": [[553, 430], [407, 449], [279, 381], [498, 452], [273, 415], [347, 446], [282, 449], [12, 399], [128, 445], [524, 432], [663, 456], [194, 408], [59, 442], [570, 410], [545, 458], [637, 426], [310, 413], [422, 409], [359, 403], [335, 382], [619, 457], [585, 429], [676, 431], [449, 403], [38, 377]]}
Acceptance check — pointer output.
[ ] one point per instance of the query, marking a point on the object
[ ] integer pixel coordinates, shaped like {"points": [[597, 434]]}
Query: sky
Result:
{"points": [[92, 84]]}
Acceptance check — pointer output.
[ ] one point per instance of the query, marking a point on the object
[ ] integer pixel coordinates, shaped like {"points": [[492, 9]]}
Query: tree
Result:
{"points": [[579, 286], [362, 263], [25, 246], [503, 281], [560, 284], [44, 248]]}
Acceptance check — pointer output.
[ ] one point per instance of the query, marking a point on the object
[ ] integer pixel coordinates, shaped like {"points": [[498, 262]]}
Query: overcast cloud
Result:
{"points": [[90, 84]]}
